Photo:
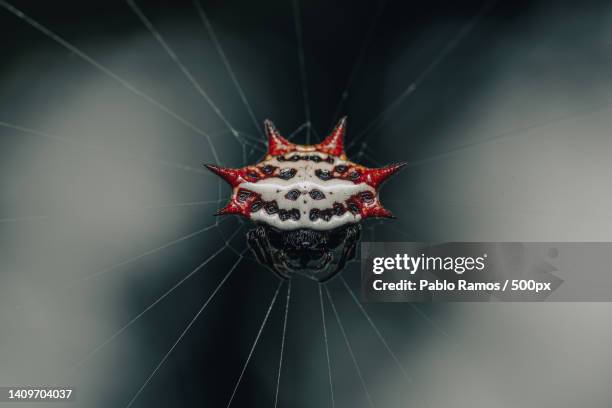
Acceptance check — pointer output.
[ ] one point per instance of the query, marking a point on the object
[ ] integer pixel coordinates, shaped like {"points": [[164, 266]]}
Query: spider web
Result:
{"points": [[251, 147]]}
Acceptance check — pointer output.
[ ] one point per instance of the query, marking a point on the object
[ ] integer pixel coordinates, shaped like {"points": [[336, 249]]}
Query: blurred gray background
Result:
{"points": [[501, 110]]}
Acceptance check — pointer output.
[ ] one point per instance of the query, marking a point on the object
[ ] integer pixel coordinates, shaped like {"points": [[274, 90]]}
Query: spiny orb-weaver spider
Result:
{"points": [[306, 202]]}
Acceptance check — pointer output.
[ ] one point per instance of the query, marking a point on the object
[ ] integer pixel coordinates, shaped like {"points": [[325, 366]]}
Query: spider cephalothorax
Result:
{"points": [[307, 202]]}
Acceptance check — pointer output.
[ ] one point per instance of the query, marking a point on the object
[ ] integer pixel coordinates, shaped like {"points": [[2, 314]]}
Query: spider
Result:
{"points": [[306, 202]]}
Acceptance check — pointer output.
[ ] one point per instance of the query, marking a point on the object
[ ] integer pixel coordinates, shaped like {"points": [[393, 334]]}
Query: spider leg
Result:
{"points": [[353, 233], [327, 257], [255, 246], [258, 243]]}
